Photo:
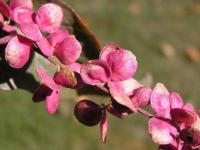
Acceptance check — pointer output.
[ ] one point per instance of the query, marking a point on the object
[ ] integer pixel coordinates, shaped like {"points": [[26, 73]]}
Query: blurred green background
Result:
{"points": [[165, 37]]}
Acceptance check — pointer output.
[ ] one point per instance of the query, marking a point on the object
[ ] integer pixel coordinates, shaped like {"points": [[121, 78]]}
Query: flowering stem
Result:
{"points": [[144, 113]]}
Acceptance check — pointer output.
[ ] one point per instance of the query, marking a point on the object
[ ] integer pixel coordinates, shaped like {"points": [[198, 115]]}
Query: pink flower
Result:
{"points": [[5, 9], [122, 63], [17, 52], [175, 123], [69, 50], [49, 17]]}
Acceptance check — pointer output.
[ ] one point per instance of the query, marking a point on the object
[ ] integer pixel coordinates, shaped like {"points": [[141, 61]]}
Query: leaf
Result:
{"points": [[91, 45]]}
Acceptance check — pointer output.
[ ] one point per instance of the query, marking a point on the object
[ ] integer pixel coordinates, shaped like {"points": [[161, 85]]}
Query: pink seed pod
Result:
{"points": [[141, 96], [31, 31], [52, 102], [126, 86], [4, 9], [65, 78], [22, 15], [57, 37], [176, 100], [21, 3], [49, 17], [160, 101], [18, 51], [69, 50], [45, 47], [123, 63], [161, 131], [95, 72], [46, 79], [88, 112]]}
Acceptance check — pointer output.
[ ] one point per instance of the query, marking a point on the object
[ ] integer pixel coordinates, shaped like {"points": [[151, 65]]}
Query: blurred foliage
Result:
{"points": [[143, 26]]}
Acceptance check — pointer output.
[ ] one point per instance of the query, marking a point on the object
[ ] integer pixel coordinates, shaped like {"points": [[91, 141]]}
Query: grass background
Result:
{"points": [[142, 26]]}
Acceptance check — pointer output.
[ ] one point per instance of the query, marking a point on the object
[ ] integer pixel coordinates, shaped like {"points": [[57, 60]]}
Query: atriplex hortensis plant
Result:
{"points": [[174, 124]]}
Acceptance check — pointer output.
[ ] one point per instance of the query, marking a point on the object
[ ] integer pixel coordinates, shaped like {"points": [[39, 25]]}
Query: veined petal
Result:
{"points": [[127, 86], [49, 17], [52, 102], [160, 101], [45, 47], [17, 52], [175, 100], [22, 15], [161, 131], [57, 37], [123, 63], [95, 72], [69, 50], [46, 79]]}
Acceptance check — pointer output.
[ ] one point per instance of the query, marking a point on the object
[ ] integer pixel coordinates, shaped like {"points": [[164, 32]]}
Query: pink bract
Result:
{"points": [[141, 96], [4, 9], [69, 50], [22, 15], [103, 127], [123, 63], [18, 51], [160, 101], [45, 47], [31, 31], [57, 37], [123, 99], [52, 102], [49, 17], [21, 3], [161, 131], [175, 100], [95, 72], [126, 86], [46, 79]]}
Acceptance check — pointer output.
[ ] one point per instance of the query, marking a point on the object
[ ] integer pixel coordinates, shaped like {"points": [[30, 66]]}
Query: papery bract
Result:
{"points": [[57, 37], [52, 102], [160, 101], [161, 131], [141, 97], [17, 52], [49, 17], [126, 86], [104, 127], [46, 79], [175, 100], [123, 99], [22, 15], [21, 3], [88, 112], [123, 63], [69, 50], [31, 31], [4, 9], [95, 72]]}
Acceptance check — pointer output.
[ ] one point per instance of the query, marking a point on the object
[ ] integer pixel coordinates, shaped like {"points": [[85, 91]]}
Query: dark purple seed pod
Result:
{"points": [[88, 112]]}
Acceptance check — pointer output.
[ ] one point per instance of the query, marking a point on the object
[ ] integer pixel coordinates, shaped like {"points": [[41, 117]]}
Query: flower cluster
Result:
{"points": [[175, 125]]}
